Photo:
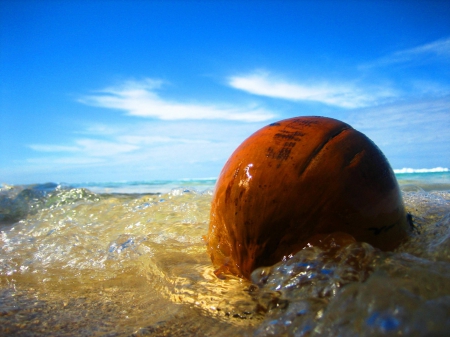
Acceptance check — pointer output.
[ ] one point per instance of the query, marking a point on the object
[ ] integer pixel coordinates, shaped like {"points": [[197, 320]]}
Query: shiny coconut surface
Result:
{"points": [[296, 181]]}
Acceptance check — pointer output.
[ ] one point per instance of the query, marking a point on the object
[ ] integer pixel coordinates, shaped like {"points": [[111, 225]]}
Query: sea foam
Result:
{"points": [[422, 170]]}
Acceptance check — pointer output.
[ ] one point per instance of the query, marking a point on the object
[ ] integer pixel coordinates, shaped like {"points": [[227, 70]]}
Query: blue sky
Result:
{"points": [[145, 90]]}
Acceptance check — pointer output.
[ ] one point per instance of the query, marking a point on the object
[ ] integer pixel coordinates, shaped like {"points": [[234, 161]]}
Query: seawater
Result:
{"points": [[128, 259]]}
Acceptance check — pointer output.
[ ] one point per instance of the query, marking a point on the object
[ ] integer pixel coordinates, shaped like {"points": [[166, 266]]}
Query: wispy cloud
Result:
{"points": [[141, 99], [375, 83], [408, 130], [151, 140], [344, 95], [432, 51], [146, 149], [88, 147], [51, 162], [439, 48]]}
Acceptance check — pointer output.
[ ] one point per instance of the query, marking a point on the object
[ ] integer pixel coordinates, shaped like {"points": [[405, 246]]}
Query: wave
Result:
{"points": [[422, 170]]}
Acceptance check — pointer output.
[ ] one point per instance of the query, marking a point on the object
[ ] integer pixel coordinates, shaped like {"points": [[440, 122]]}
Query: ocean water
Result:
{"points": [[128, 259]]}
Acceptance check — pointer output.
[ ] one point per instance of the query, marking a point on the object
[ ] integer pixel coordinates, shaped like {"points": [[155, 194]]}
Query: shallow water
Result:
{"points": [[75, 262]]}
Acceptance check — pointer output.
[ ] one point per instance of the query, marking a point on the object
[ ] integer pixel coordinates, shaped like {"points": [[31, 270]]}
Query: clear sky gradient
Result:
{"points": [[146, 90]]}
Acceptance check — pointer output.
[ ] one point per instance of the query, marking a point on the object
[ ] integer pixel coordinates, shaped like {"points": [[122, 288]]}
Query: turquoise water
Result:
{"points": [[428, 180], [156, 186], [128, 259]]}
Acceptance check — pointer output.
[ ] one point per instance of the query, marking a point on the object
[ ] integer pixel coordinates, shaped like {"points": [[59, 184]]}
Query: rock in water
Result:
{"points": [[294, 181]]}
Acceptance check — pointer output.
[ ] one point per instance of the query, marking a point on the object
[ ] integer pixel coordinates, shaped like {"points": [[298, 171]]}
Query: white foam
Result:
{"points": [[422, 170]]}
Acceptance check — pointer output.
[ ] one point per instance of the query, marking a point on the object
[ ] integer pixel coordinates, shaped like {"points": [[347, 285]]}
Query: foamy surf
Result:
{"points": [[421, 170], [77, 262]]}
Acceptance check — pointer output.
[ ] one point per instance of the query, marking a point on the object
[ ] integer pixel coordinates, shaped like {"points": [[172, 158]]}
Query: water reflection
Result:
{"points": [[81, 263]]}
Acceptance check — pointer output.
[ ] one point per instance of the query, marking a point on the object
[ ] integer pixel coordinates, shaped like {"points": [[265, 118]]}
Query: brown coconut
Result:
{"points": [[294, 181]]}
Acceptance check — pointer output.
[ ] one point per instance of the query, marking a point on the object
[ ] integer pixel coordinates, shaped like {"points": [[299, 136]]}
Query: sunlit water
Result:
{"points": [[78, 263]]}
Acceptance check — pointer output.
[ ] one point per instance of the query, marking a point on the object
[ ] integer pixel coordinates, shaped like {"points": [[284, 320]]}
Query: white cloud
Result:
{"points": [[88, 147], [342, 94], [72, 161], [149, 140], [407, 116], [140, 99], [439, 49], [411, 134], [100, 148], [142, 150], [53, 148]]}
